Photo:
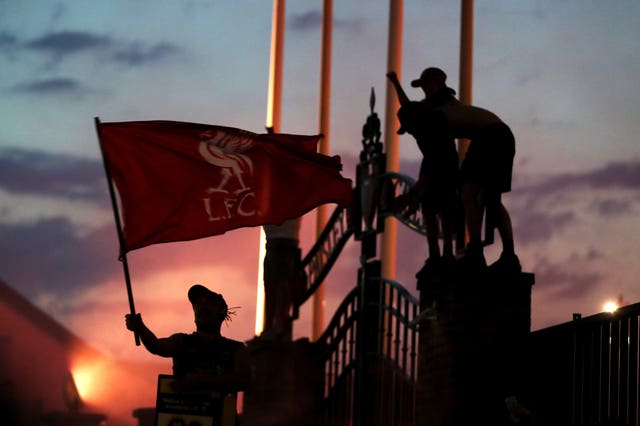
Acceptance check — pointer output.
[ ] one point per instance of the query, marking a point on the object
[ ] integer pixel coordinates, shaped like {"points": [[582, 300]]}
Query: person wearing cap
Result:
{"points": [[436, 188], [486, 169], [203, 360]]}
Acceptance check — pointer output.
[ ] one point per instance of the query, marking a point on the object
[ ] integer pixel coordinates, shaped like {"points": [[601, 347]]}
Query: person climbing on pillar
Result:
{"points": [[436, 188], [486, 169]]}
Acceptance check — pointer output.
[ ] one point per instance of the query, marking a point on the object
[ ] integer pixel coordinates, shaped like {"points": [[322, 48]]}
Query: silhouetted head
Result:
{"points": [[209, 308], [431, 80]]}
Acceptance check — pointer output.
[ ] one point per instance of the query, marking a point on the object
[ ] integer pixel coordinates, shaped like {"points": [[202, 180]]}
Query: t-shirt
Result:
{"points": [[196, 354]]}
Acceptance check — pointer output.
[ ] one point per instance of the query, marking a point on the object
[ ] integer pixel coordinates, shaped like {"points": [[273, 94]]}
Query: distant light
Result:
{"points": [[83, 380], [610, 307], [87, 376]]}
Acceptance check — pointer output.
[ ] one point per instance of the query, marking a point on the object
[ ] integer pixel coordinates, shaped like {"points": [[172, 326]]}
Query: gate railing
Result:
{"points": [[341, 361], [371, 355]]}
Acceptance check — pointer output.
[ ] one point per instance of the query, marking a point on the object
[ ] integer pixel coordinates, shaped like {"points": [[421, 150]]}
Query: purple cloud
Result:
{"points": [[138, 54], [537, 226], [312, 20], [612, 207], [64, 43], [612, 175], [7, 40], [48, 254], [306, 21], [565, 279], [57, 175], [68, 42], [51, 86]]}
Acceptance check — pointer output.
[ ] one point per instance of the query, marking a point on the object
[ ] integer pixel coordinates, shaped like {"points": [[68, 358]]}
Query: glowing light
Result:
{"points": [[260, 288], [610, 306], [82, 377], [87, 377]]}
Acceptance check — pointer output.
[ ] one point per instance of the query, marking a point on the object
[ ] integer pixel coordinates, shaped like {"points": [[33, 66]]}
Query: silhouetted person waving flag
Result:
{"points": [[486, 169], [203, 361]]}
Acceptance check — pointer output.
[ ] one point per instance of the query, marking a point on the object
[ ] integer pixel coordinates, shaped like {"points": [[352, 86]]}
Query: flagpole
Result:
{"points": [[116, 215]]}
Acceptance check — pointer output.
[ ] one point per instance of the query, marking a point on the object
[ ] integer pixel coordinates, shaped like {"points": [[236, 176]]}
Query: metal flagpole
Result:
{"points": [[116, 215]]}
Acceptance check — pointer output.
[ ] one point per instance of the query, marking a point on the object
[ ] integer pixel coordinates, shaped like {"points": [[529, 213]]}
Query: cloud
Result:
{"points": [[541, 210], [49, 254], [613, 175], [65, 43], [569, 279], [51, 86], [312, 20], [612, 207], [538, 226], [49, 261], [53, 175], [139, 54], [62, 44], [7, 40]]}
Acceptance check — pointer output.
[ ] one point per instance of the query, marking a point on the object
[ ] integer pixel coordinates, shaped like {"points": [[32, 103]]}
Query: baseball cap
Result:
{"points": [[431, 74], [198, 290]]}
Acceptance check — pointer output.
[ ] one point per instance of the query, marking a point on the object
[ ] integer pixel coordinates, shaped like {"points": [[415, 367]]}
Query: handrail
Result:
{"points": [[321, 257], [402, 289], [400, 184]]}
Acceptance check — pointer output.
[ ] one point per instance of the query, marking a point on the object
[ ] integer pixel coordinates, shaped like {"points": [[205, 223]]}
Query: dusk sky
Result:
{"points": [[562, 74]]}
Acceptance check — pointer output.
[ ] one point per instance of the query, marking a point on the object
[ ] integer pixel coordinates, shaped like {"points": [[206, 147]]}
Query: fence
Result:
{"points": [[586, 372]]}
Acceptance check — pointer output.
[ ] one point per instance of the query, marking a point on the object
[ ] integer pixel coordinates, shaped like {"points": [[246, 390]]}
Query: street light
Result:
{"points": [[610, 306]]}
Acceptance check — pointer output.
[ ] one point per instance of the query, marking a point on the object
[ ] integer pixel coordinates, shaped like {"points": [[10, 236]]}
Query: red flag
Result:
{"points": [[182, 181]]}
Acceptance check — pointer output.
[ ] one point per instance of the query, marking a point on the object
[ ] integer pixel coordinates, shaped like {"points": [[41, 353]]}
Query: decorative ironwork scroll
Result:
{"points": [[318, 262]]}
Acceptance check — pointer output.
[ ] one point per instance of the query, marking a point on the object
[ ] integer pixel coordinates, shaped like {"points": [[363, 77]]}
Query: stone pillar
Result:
{"points": [[283, 278], [288, 384], [471, 355]]}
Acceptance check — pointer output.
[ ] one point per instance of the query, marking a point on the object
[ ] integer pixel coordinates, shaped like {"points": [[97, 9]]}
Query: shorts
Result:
{"points": [[489, 160]]}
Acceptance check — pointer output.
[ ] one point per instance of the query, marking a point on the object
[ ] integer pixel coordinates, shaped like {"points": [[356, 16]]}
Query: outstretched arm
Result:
{"points": [[163, 347], [402, 96]]}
